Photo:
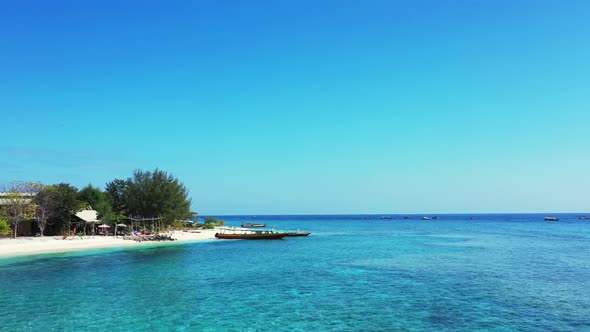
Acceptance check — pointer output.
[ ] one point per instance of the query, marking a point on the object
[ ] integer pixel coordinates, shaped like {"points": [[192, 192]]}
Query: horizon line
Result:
{"points": [[385, 214]]}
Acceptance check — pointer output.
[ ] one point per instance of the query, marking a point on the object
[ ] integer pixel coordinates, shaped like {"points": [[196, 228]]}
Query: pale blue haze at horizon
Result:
{"points": [[380, 107]]}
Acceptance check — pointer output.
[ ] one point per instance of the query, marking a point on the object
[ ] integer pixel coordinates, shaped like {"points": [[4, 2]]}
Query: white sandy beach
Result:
{"points": [[56, 244]]}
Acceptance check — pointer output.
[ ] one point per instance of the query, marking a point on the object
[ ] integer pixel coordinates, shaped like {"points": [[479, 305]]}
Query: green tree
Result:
{"points": [[214, 221], [90, 195], [4, 226], [67, 203], [211, 222], [19, 206], [98, 200], [117, 192], [105, 210], [157, 193], [46, 201]]}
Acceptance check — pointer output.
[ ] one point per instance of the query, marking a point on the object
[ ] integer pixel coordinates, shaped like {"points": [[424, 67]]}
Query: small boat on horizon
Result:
{"points": [[425, 218], [551, 219]]}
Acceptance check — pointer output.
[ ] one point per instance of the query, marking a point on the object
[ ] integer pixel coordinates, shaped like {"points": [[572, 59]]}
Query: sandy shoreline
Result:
{"points": [[56, 244]]}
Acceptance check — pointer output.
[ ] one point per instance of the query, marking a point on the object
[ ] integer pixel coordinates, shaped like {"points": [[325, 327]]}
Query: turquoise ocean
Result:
{"points": [[354, 273]]}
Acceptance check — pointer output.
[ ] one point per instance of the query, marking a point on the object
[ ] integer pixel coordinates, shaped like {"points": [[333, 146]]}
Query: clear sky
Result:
{"points": [[302, 107]]}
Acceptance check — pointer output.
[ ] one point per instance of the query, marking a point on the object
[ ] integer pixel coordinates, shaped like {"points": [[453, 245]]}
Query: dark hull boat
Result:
{"points": [[251, 236], [298, 233]]}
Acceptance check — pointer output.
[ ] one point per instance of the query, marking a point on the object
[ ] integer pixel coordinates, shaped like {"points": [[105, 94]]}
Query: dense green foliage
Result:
{"points": [[18, 207], [157, 193], [99, 201], [4, 227], [90, 195], [146, 194], [66, 204], [211, 222], [117, 192]]}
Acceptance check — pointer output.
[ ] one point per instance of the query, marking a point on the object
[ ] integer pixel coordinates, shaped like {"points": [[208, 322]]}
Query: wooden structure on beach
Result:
{"points": [[155, 222]]}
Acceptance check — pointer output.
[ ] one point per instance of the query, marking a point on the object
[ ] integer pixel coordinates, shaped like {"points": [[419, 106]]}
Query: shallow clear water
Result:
{"points": [[496, 273]]}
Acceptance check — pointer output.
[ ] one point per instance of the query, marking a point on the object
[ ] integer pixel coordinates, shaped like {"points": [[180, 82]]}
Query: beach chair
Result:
{"points": [[136, 236]]}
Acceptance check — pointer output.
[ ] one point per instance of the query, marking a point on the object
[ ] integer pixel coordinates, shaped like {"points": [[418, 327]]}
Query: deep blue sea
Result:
{"points": [[354, 273]]}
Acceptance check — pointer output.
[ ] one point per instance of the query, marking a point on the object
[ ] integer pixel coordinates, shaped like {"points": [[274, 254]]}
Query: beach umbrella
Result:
{"points": [[119, 225], [104, 226]]}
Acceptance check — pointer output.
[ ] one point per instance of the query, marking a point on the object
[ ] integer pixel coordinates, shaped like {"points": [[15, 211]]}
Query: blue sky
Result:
{"points": [[297, 107]]}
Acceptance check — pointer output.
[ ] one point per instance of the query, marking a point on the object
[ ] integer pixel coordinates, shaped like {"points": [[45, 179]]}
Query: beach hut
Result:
{"points": [[88, 217]]}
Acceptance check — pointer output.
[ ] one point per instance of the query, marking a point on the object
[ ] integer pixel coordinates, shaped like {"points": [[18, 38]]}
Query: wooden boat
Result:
{"points": [[298, 233], [251, 235], [253, 225]]}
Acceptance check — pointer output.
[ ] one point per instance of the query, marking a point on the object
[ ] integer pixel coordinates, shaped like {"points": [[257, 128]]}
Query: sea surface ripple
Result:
{"points": [[494, 273]]}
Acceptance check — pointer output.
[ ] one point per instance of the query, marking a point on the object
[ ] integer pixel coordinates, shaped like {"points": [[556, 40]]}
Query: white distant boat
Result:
{"points": [[551, 219], [425, 218]]}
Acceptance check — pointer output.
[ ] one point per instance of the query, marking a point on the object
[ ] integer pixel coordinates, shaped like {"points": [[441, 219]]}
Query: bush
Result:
{"points": [[4, 228], [209, 225], [214, 222], [178, 224]]}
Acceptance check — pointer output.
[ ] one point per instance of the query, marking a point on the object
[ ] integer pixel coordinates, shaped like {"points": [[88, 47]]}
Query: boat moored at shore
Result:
{"points": [[255, 236], [248, 234]]}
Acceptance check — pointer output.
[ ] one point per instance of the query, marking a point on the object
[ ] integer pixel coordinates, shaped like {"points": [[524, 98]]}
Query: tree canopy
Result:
{"points": [[91, 195], [98, 200], [67, 203], [117, 192], [157, 193], [46, 201], [19, 205], [4, 226]]}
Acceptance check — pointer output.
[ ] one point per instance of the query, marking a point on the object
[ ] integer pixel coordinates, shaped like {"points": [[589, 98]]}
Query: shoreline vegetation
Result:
{"points": [[151, 207]]}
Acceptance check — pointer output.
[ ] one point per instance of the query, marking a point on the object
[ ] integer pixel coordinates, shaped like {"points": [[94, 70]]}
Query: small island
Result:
{"points": [[148, 208]]}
